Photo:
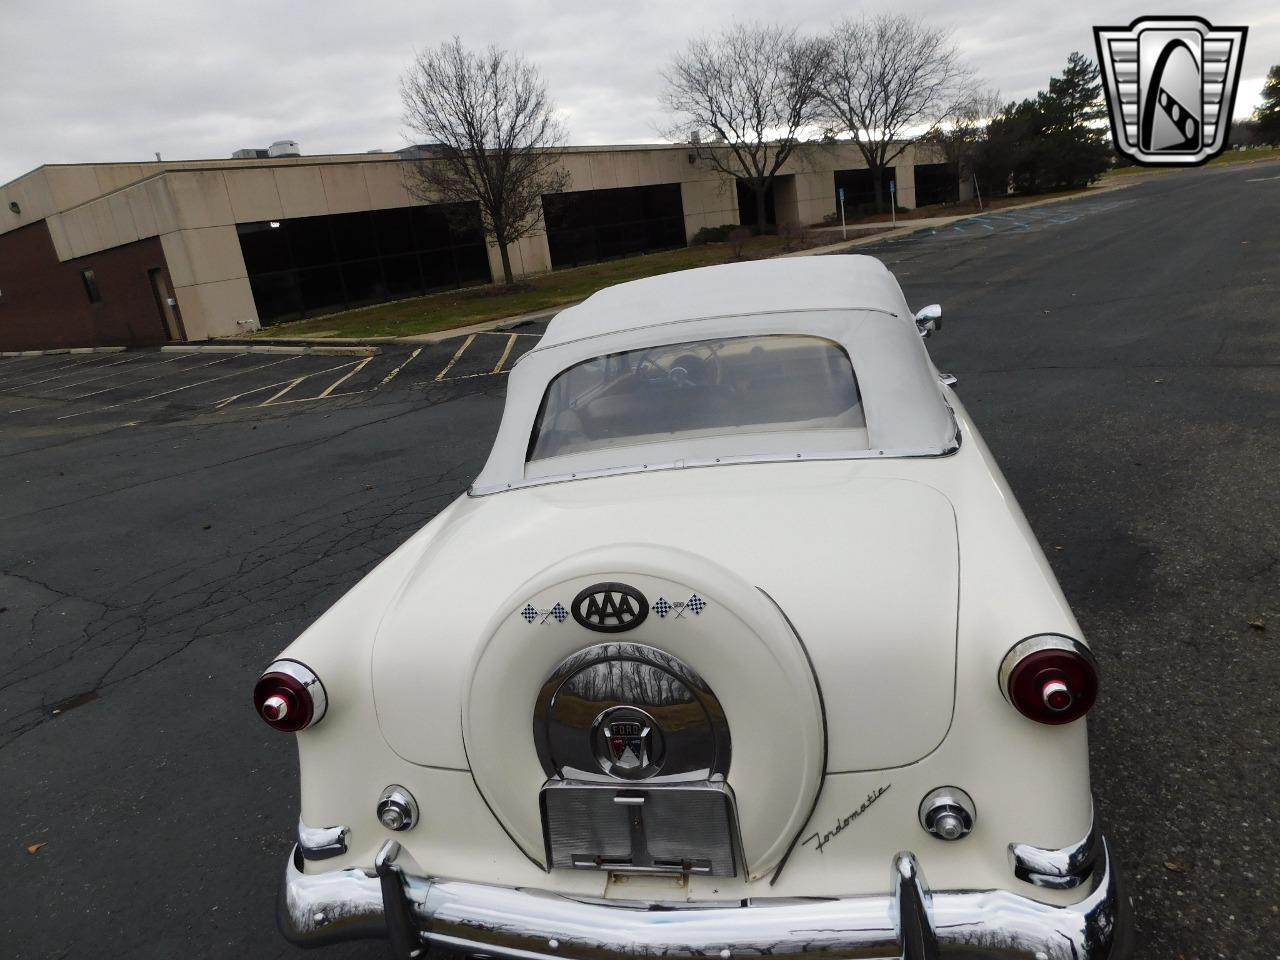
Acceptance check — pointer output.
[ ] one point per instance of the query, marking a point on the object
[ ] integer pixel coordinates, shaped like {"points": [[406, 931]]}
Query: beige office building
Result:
{"points": [[139, 253]]}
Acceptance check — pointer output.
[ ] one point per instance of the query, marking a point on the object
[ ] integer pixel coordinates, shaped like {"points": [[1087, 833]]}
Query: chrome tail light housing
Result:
{"points": [[289, 696], [1050, 678]]}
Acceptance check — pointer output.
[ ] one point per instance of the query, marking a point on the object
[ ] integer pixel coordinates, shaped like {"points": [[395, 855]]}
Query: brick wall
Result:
{"points": [[43, 302]]}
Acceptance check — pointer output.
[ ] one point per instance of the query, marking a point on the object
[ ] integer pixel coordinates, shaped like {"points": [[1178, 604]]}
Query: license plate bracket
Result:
{"points": [[686, 828]]}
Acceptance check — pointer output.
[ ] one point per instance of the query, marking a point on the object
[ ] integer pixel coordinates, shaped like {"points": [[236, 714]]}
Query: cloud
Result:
{"points": [[92, 81]]}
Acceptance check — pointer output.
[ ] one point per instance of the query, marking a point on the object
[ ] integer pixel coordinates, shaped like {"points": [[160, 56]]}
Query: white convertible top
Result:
{"points": [[783, 285], [852, 300]]}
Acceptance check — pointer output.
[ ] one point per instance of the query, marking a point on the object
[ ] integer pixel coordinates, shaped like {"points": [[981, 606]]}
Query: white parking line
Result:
{"points": [[392, 375], [511, 342], [124, 386], [188, 386], [343, 379], [282, 391], [1262, 179], [144, 379], [461, 350], [332, 396], [289, 385], [55, 399], [80, 364]]}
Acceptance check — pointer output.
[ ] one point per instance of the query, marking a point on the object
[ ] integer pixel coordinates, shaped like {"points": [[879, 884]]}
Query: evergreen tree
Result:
{"points": [[1057, 141], [1267, 115], [1074, 146], [1076, 96]]}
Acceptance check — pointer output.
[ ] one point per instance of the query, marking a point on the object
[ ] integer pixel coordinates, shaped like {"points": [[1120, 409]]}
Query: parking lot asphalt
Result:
{"points": [[170, 521]]}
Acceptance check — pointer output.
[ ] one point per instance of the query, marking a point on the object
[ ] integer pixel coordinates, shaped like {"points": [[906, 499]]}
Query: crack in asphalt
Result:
{"points": [[205, 598]]}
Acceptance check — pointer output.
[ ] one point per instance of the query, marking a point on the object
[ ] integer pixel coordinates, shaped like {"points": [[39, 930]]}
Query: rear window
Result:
{"points": [[732, 387]]}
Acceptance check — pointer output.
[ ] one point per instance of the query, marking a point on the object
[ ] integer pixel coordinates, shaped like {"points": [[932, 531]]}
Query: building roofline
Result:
{"points": [[222, 163]]}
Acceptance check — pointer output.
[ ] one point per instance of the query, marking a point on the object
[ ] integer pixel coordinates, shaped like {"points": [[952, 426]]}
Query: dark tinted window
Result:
{"points": [[277, 296], [353, 236], [394, 229], [936, 183], [312, 240], [860, 189], [363, 282], [589, 225], [312, 265], [321, 290], [402, 276], [265, 247], [747, 213]]}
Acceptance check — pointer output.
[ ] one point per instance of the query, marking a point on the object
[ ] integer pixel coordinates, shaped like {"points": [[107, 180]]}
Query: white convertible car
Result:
{"points": [[738, 637]]}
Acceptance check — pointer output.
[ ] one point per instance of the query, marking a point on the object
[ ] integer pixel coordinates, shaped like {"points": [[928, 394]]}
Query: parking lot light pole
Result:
{"points": [[844, 231]]}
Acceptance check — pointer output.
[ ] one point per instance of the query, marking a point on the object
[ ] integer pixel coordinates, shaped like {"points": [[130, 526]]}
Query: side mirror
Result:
{"points": [[929, 319]]}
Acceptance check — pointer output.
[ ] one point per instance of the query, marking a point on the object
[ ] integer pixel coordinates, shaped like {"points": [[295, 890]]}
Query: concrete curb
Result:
{"points": [[60, 350], [326, 350], [300, 341], [501, 325]]}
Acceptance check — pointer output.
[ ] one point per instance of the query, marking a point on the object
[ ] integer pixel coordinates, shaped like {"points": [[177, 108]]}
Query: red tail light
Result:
{"points": [[289, 696], [1050, 678]]}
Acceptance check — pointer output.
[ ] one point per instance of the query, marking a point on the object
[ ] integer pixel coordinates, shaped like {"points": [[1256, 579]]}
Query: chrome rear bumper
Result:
{"points": [[909, 922]]}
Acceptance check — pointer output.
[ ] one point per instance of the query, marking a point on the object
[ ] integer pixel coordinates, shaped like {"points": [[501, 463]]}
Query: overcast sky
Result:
{"points": [[121, 80]]}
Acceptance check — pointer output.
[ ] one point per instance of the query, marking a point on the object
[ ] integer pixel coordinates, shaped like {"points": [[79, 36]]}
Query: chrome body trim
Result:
{"points": [[322, 843], [1062, 869], [907, 921]]}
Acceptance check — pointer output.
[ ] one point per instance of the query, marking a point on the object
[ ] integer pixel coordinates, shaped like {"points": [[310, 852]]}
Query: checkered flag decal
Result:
{"points": [[560, 613], [662, 608], [697, 604], [529, 613]]}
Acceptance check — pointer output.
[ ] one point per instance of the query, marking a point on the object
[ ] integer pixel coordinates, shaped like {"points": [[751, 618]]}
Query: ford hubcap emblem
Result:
{"points": [[628, 743], [610, 607]]}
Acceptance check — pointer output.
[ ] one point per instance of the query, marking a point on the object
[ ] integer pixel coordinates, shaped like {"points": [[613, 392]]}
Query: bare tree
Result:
{"points": [[889, 79], [754, 86], [494, 136]]}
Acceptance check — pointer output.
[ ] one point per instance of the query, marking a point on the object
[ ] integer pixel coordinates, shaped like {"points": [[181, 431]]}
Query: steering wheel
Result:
{"points": [[687, 370]]}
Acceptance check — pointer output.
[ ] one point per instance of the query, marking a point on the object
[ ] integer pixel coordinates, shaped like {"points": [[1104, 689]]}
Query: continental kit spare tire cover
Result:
{"points": [[724, 629]]}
